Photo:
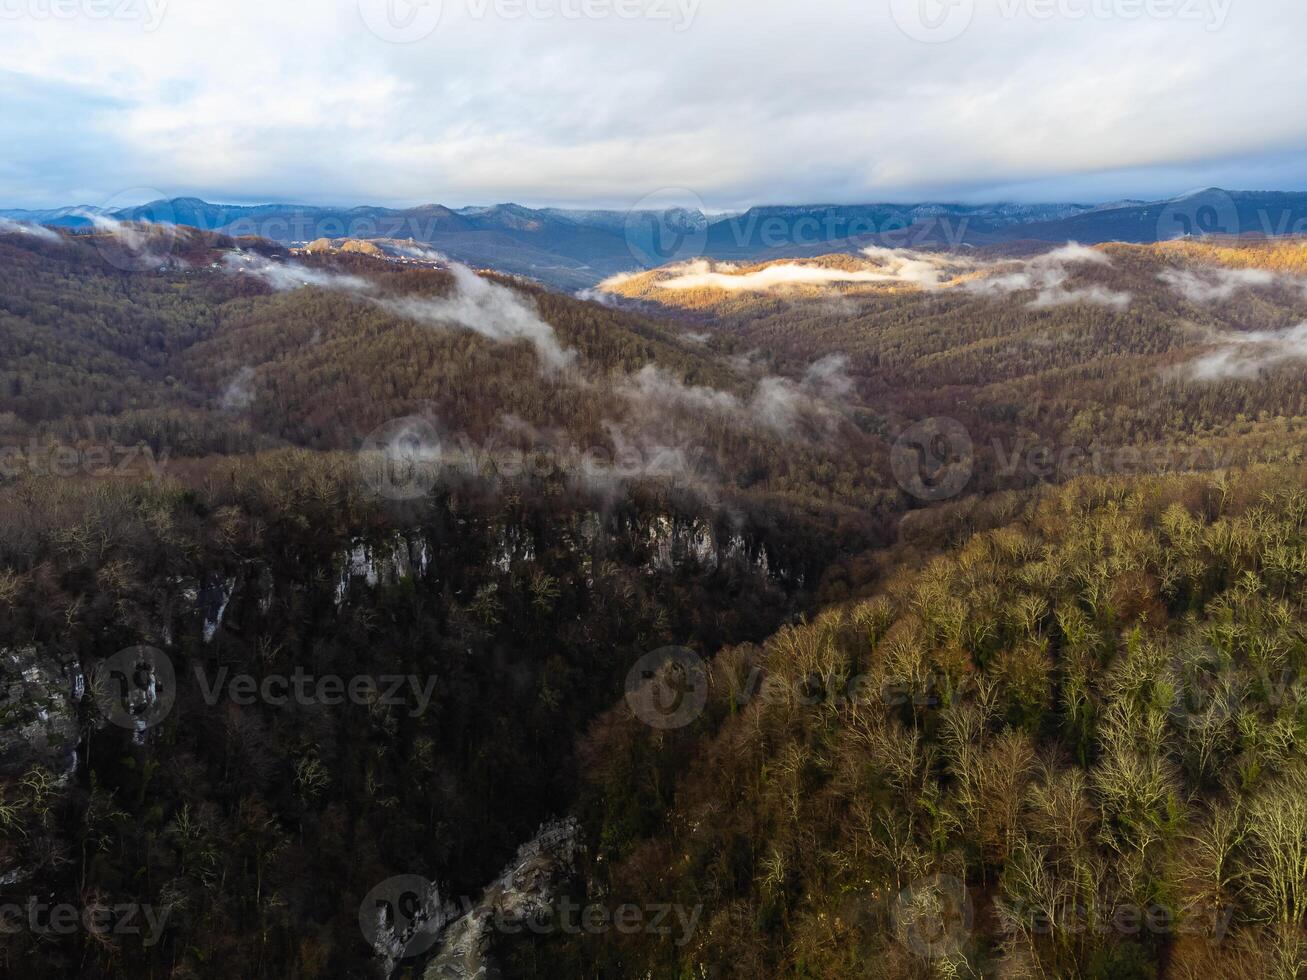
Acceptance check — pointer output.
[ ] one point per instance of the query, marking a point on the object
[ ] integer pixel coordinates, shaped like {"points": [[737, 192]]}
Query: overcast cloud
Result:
{"points": [[741, 101]]}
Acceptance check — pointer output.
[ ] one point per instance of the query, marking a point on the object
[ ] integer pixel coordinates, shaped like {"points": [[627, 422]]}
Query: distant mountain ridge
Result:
{"points": [[576, 248]]}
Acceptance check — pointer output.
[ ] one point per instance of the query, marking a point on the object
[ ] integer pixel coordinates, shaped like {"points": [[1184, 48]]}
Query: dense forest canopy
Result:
{"points": [[1070, 746], [1051, 502]]}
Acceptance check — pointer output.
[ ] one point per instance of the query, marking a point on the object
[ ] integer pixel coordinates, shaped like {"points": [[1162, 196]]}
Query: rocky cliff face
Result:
{"points": [[39, 729], [193, 614], [38, 711], [525, 891]]}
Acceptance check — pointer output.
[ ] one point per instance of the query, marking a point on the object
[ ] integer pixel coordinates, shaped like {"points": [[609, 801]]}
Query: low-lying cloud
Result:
{"points": [[239, 393], [771, 277], [10, 227], [1215, 284], [133, 245], [288, 276], [780, 402], [925, 269], [486, 308], [1048, 275], [634, 451], [410, 251], [477, 304], [139, 236], [1244, 356], [654, 386], [830, 375], [129, 233], [776, 403], [888, 265], [1093, 295]]}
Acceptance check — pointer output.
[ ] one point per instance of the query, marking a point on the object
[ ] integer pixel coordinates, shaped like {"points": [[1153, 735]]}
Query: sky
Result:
{"points": [[617, 103]]}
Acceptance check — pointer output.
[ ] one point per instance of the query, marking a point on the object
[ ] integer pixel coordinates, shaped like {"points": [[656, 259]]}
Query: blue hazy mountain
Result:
{"points": [[577, 248]]}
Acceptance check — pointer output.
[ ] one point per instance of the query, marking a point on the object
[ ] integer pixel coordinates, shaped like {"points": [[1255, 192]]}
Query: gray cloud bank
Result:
{"points": [[603, 111]]}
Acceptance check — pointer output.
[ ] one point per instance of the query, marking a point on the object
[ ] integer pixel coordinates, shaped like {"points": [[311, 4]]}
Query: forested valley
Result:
{"points": [[995, 564]]}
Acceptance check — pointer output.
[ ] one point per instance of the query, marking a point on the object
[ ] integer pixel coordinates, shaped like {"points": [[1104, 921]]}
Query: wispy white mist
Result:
{"points": [[776, 403], [779, 403], [1047, 275], [287, 276], [653, 386], [8, 227], [1093, 295], [830, 376], [925, 269], [136, 236], [239, 393], [477, 304], [409, 251], [1215, 284], [133, 244], [596, 294], [486, 308], [1246, 355]]}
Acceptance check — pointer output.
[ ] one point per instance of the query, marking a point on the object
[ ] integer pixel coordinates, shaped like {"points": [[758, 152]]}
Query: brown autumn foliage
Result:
{"points": [[1127, 534]]}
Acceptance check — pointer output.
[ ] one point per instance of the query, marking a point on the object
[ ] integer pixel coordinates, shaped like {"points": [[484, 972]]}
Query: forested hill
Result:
{"points": [[1066, 360], [1071, 746], [263, 467], [1013, 479], [198, 354]]}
